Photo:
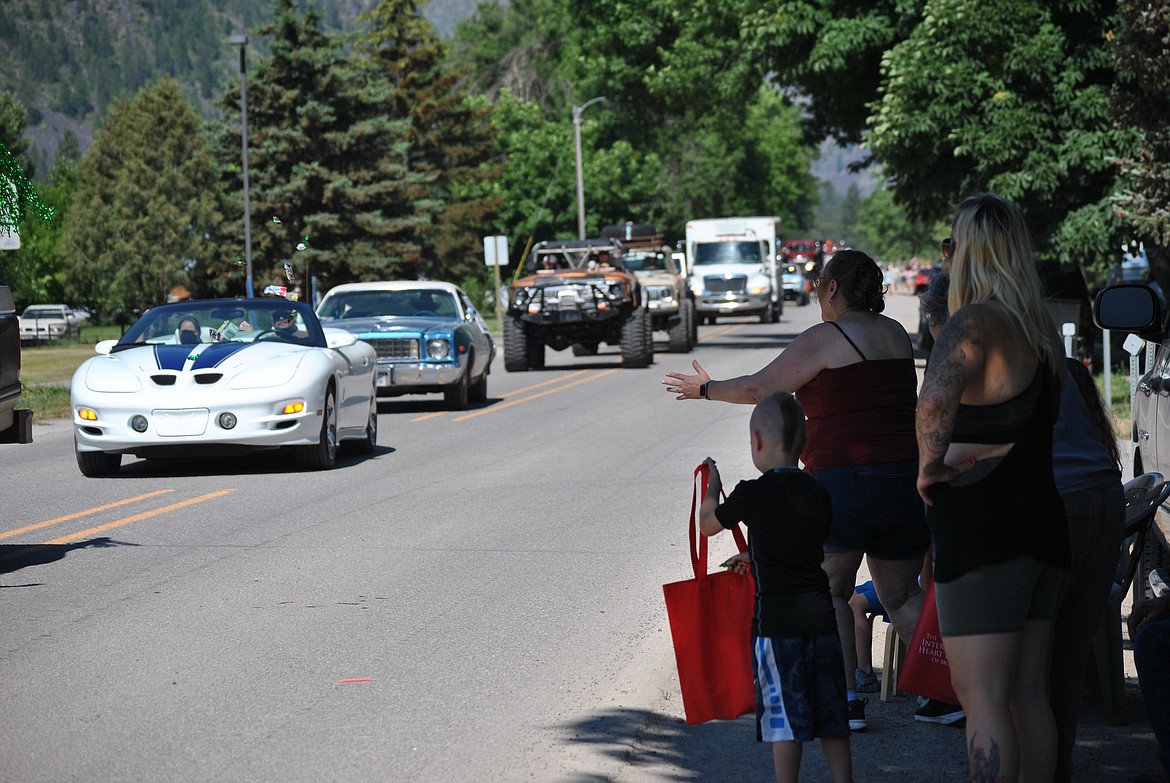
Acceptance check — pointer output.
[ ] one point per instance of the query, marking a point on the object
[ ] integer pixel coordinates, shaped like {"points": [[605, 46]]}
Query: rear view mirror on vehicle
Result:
{"points": [[1128, 307]]}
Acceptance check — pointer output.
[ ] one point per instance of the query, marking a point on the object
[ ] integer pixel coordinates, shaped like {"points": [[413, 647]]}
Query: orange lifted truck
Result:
{"points": [[576, 294]]}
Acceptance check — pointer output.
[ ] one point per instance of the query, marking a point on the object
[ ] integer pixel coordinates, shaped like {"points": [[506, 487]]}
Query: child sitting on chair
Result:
{"points": [[797, 656]]}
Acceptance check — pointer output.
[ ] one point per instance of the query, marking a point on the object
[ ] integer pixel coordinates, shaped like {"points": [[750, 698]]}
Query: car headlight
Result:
{"points": [[659, 293], [438, 348], [756, 290]]}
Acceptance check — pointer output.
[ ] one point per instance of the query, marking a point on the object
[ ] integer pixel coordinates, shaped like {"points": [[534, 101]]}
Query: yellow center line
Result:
{"points": [[719, 331], [87, 512], [138, 517], [534, 396], [559, 379]]}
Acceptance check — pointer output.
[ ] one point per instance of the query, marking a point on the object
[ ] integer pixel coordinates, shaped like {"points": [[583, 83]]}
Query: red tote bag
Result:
{"points": [[711, 625], [926, 672]]}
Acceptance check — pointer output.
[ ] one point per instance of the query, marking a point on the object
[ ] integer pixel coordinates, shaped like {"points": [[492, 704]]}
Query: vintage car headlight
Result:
{"points": [[438, 348]]}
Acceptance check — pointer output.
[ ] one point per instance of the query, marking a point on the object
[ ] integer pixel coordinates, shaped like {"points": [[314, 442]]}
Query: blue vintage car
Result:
{"points": [[427, 334]]}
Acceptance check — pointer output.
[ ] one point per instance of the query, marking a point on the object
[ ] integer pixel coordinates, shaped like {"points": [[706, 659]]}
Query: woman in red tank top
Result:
{"points": [[854, 375]]}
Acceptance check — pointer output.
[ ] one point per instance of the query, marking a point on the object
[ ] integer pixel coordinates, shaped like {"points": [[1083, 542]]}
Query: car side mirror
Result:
{"points": [[1129, 307], [104, 347], [339, 338]]}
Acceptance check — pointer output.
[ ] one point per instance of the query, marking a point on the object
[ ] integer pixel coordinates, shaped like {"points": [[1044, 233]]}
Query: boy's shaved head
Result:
{"points": [[780, 419]]}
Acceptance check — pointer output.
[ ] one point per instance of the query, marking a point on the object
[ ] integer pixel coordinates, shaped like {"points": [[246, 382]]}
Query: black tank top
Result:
{"points": [[1015, 510]]}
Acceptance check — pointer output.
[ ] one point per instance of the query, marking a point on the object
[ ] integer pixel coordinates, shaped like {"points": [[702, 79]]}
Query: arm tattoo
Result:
{"points": [[942, 387]]}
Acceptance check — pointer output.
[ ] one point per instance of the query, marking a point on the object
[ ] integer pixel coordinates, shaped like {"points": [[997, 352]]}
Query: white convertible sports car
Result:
{"points": [[222, 377]]}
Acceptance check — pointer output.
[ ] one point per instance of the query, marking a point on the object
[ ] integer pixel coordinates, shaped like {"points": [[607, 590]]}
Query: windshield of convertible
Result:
{"points": [[418, 302], [225, 321]]}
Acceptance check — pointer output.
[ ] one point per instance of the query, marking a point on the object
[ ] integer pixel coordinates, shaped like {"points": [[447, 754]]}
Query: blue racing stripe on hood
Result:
{"points": [[215, 354], [174, 357]]}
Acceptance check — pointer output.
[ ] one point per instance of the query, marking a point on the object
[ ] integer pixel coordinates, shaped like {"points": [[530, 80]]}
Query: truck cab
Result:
{"points": [[733, 270]]}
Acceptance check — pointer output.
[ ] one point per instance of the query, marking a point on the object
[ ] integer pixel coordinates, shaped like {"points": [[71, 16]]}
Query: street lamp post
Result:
{"points": [[242, 42], [577, 111]]}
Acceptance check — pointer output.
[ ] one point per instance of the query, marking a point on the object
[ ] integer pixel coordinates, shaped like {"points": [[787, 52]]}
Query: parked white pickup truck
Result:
{"points": [[49, 323]]}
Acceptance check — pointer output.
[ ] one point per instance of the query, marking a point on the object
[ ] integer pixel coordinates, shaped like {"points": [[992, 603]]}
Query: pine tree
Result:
{"points": [[326, 162], [450, 137], [142, 209]]}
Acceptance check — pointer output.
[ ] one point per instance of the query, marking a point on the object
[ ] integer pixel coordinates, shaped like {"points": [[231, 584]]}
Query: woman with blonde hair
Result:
{"points": [[985, 418]]}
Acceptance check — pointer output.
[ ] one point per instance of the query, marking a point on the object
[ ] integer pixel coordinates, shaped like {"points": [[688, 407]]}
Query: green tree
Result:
{"points": [[36, 272], [325, 161], [731, 147], [1141, 101], [889, 235], [13, 120], [449, 138], [515, 47], [1001, 96], [829, 51], [535, 188], [142, 209]]}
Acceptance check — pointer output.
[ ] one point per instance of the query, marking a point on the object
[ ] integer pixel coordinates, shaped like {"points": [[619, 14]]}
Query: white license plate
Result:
{"points": [[180, 423]]}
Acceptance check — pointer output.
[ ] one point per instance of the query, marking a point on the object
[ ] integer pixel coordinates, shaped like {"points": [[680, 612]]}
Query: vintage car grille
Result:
{"points": [[719, 284], [394, 347]]}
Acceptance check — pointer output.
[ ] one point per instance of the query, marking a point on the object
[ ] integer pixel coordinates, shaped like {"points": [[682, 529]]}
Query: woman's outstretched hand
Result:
{"points": [[686, 386]]}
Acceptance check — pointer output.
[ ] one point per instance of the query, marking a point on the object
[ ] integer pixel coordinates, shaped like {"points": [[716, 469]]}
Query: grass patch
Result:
{"points": [[47, 402], [1122, 414]]}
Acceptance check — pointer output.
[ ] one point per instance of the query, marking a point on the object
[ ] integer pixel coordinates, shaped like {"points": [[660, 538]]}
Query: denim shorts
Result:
{"points": [[876, 510]]}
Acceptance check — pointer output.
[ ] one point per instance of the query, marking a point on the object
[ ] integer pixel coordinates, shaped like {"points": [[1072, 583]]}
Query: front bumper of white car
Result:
{"points": [[252, 419]]}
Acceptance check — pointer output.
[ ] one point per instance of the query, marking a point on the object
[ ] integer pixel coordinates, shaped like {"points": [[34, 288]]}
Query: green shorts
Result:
{"points": [[998, 598]]}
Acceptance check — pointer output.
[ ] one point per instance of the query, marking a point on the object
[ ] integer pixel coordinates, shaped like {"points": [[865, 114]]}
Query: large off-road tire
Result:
{"points": [[679, 334], [456, 395], [637, 347], [688, 309], [94, 464], [322, 455], [515, 346]]}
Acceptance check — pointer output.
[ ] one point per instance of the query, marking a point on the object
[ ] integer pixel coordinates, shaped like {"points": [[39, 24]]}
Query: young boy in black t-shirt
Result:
{"points": [[797, 655]]}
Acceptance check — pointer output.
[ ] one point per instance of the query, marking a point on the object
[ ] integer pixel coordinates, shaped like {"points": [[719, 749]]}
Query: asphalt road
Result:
{"points": [[480, 600]]}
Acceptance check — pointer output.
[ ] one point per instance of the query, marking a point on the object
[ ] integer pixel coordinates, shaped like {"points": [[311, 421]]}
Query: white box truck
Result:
{"points": [[732, 267]]}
